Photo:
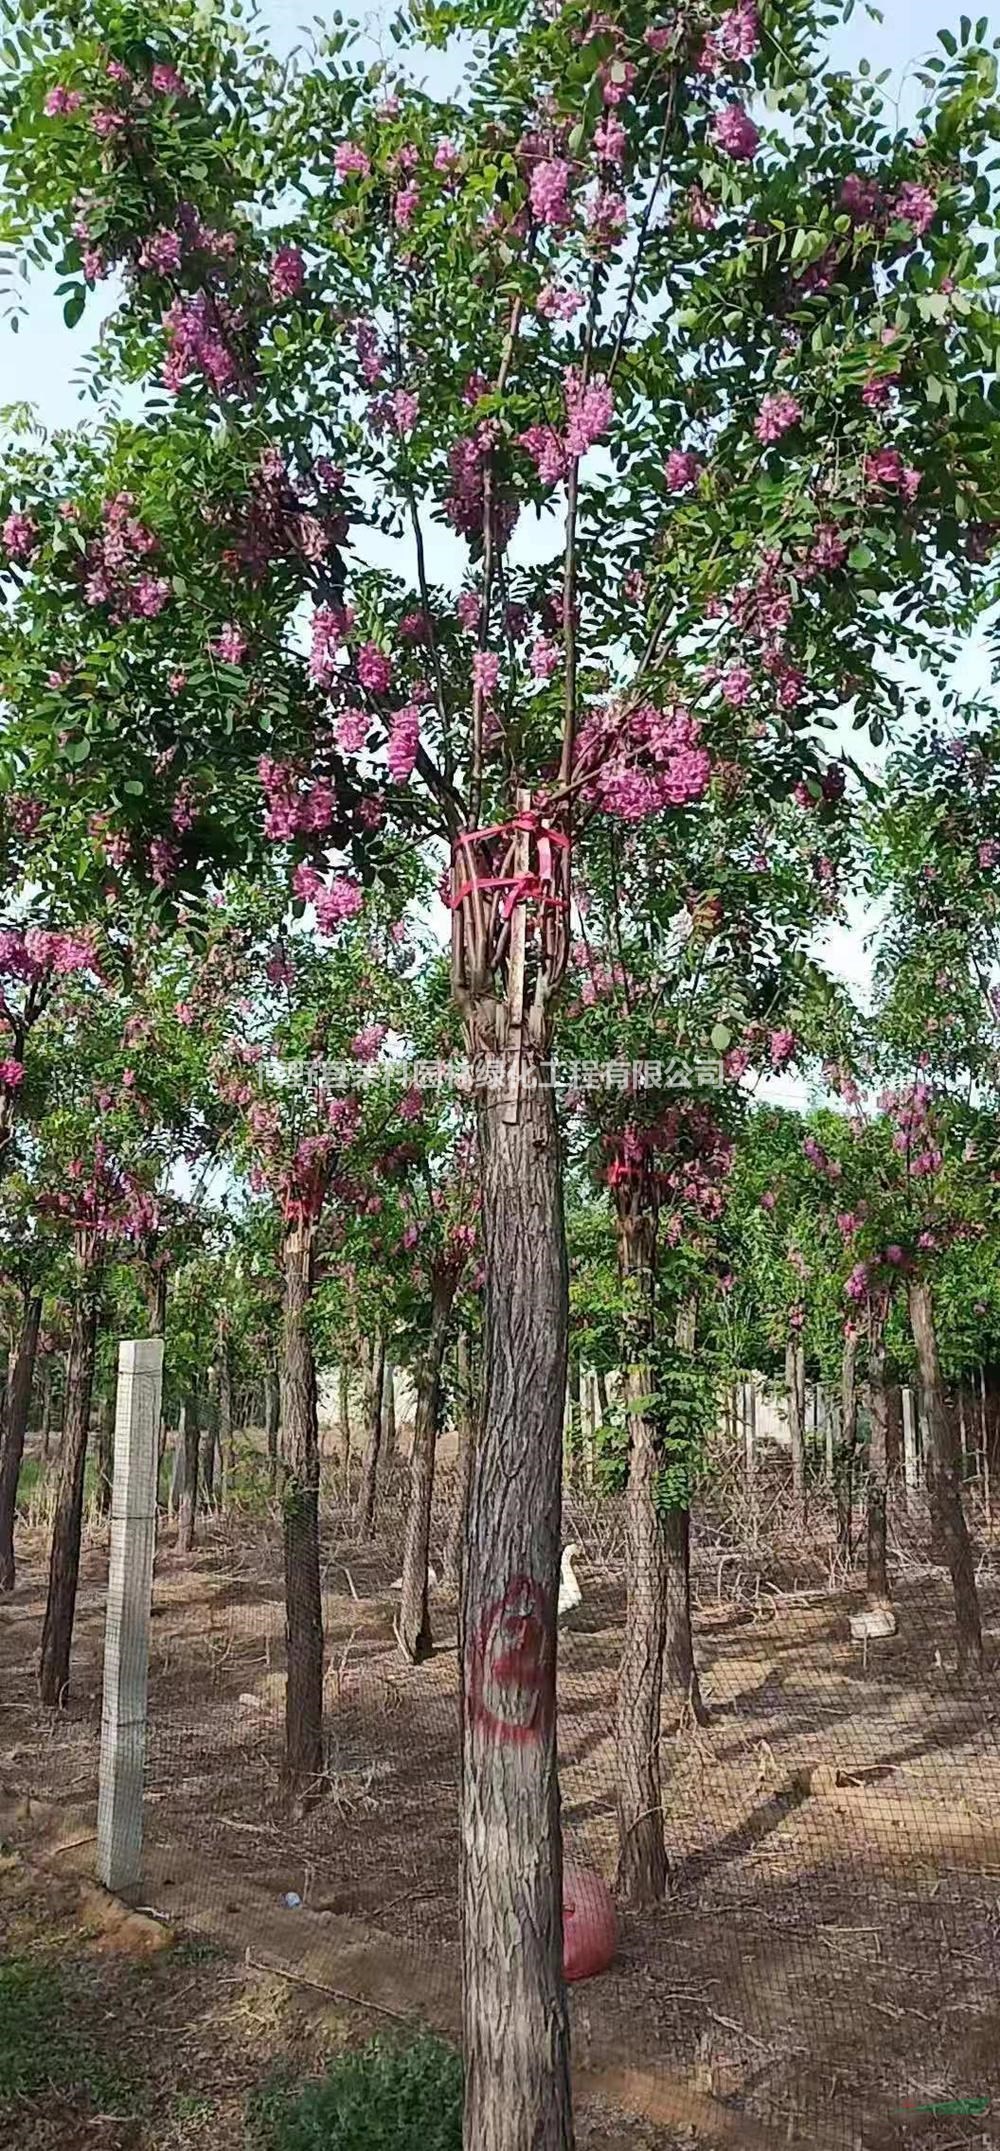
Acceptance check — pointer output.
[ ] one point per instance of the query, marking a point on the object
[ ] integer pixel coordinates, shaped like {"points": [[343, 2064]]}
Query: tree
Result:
{"points": [[508, 300]]}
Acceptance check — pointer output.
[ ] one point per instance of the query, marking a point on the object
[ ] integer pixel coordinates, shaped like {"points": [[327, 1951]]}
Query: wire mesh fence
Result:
{"points": [[824, 1966]]}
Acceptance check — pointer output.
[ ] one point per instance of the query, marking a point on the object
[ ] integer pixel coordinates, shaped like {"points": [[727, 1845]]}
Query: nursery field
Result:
{"points": [[825, 1969]]}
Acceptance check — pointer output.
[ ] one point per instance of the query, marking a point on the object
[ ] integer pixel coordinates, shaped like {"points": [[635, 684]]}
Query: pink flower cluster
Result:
{"points": [[350, 161], [20, 535], [231, 645], [641, 761], [111, 562], [329, 626], [373, 668], [11, 1075], [286, 275], [292, 811], [589, 407], [547, 191], [887, 470], [404, 740], [682, 469], [336, 902], [161, 251], [60, 101], [197, 330], [777, 413], [733, 130]]}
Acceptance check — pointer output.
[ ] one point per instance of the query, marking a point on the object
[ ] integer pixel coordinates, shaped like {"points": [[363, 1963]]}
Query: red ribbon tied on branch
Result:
{"points": [[527, 887]]}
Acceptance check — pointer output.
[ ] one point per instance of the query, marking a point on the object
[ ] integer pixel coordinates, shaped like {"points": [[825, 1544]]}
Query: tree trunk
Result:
{"points": [[46, 1409], [414, 1627], [17, 1405], [877, 1593], [948, 1515], [795, 1386], [303, 1767], [642, 1856], [155, 1287], [271, 1422], [64, 1561], [344, 1415], [679, 1670], [464, 1410], [365, 1513], [389, 1409], [188, 1505], [844, 1461], [210, 1440], [105, 1458], [515, 2016], [224, 1395]]}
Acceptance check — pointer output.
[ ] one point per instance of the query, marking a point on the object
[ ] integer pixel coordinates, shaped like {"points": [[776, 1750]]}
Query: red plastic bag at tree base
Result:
{"points": [[590, 1924]]}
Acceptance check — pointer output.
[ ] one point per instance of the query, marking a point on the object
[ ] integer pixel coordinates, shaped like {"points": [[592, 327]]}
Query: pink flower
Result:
{"points": [[861, 198], [286, 275], [915, 205], [11, 1075], [988, 853], [610, 139], [733, 130], [405, 206], [468, 609], [547, 452], [231, 646], [736, 685], [61, 100], [828, 550], [367, 1043], [782, 1047], [167, 80], [105, 123], [410, 1236], [878, 389], [164, 858], [327, 635], [349, 160], [405, 406], [588, 411], [445, 157], [404, 740], [545, 658], [857, 1283], [702, 214], [20, 535], [887, 469], [682, 469], [768, 1200], [306, 881], [161, 252], [558, 302], [777, 413], [549, 182], [352, 731], [607, 217], [412, 1104], [339, 900], [739, 32], [374, 668], [485, 672], [895, 1256]]}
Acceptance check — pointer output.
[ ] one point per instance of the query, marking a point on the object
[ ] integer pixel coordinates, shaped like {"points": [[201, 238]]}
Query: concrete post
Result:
{"points": [[126, 1638], [911, 1465]]}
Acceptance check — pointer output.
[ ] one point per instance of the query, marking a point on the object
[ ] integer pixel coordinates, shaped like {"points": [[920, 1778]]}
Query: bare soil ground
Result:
{"points": [[825, 1973]]}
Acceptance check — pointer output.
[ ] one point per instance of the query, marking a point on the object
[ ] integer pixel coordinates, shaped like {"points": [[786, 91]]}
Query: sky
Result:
{"points": [[38, 365]]}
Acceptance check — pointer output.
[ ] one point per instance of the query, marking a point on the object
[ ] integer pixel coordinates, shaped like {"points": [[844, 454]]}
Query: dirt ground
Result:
{"points": [[825, 1973]]}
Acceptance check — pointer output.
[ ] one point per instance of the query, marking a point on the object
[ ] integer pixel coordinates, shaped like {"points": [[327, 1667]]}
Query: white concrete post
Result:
{"points": [[911, 1467], [126, 1636]]}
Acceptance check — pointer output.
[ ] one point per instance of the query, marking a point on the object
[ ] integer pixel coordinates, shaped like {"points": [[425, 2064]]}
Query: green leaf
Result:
{"points": [[74, 307]]}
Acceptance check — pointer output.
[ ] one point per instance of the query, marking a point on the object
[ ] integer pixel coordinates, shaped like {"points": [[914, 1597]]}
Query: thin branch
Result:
{"points": [[623, 326]]}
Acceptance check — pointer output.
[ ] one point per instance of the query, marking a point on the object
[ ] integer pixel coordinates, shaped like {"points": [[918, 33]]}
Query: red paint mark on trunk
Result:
{"points": [[509, 1692]]}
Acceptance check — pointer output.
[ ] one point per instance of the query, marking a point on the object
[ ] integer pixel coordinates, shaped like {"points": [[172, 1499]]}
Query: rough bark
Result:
{"points": [[210, 1440], [416, 1640], [155, 1287], [224, 1398], [680, 1674], [365, 1512], [64, 1559], [846, 1449], [46, 1428], [187, 1507], [795, 1388], [516, 2020], [642, 1856], [877, 1593], [271, 1424], [303, 1765], [344, 1417], [17, 1404], [464, 1414], [105, 1457], [945, 1481]]}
